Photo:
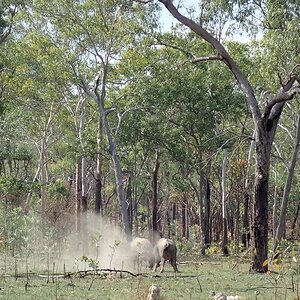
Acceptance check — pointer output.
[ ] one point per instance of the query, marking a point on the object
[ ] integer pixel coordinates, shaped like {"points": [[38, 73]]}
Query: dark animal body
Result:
{"points": [[165, 250]]}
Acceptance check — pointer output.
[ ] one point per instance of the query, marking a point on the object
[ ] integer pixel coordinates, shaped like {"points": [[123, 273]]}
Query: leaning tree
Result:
{"points": [[265, 121]]}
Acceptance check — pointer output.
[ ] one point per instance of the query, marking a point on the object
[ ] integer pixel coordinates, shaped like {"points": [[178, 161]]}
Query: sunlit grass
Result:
{"points": [[197, 278]]}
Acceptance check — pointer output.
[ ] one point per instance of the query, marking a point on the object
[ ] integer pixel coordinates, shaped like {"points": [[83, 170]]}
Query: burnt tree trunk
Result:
{"points": [[264, 139]]}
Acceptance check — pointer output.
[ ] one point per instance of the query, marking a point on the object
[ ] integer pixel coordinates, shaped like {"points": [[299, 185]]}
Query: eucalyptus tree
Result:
{"points": [[266, 117], [93, 35]]}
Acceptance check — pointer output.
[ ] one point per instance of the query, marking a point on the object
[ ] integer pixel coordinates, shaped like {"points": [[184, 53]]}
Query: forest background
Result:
{"points": [[103, 111]]}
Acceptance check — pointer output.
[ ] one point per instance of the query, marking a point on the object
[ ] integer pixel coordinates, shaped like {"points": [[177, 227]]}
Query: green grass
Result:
{"points": [[195, 281]]}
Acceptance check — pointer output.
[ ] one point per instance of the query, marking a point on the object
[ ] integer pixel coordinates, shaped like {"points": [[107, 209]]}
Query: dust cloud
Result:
{"points": [[99, 243]]}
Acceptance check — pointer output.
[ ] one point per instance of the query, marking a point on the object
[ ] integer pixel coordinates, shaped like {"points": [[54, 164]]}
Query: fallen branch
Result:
{"points": [[268, 287], [82, 273]]}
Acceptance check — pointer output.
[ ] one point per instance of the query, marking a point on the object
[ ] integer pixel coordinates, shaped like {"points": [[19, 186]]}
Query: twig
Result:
{"points": [[199, 284], [247, 251]]}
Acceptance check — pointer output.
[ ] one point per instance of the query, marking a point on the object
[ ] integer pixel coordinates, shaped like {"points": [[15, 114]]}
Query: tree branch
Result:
{"points": [[226, 58], [286, 93], [187, 53], [7, 32], [190, 55], [206, 58], [144, 1]]}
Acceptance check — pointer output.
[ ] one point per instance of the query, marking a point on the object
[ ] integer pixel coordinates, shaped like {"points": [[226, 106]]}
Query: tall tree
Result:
{"points": [[265, 124]]}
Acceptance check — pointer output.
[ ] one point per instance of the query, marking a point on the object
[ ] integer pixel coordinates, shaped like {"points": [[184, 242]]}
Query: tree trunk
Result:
{"points": [[246, 228], [274, 213], [207, 226], [293, 226], [224, 213], [43, 171], [183, 218], [203, 211], [260, 226], [98, 175], [237, 224], [155, 195], [121, 193], [261, 186], [187, 219], [100, 99], [84, 185], [168, 224], [287, 189], [129, 198]]}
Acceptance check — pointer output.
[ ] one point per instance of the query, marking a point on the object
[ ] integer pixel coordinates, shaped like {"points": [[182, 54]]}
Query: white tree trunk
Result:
{"points": [[100, 99]]}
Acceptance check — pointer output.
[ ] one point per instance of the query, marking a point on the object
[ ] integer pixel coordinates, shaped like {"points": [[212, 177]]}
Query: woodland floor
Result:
{"points": [[197, 278]]}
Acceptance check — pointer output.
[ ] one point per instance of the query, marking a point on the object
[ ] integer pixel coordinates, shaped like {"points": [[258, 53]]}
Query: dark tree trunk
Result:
{"points": [[203, 209], [264, 138], [174, 212], [187, 219], [155, 195], [98, 175], [84, 204], [169, 225], [260, 226], [293, 226], [183, 220], [98, 195], [224, 210], [207, 214], [246, 228]]}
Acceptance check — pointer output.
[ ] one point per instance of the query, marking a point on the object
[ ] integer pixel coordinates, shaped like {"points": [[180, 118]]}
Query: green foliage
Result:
{"points": [[92, 263], [12, 185], [57, 189], [20, 230]]}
